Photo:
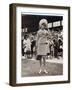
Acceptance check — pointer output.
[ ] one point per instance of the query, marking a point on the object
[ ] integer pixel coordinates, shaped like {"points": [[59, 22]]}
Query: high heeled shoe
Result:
{"points": [[45, 72], [40, 71]]}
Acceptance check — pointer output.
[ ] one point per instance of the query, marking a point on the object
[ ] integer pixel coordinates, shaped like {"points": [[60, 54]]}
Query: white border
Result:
{"points": [[40, 11]]}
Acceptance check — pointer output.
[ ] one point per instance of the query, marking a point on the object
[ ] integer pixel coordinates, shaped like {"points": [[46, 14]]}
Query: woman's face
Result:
{"points": [[42, 27]]}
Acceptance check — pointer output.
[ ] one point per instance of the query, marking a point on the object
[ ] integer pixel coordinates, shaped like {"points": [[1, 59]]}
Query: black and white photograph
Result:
{"points": [[42, 45]]}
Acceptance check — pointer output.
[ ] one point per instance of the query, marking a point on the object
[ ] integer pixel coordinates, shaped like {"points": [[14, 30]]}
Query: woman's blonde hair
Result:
{"points": [[43, 22]]}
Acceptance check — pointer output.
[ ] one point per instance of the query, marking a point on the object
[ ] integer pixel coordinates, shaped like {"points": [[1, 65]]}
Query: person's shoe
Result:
{"points": [[40, 71], [45, 72]]}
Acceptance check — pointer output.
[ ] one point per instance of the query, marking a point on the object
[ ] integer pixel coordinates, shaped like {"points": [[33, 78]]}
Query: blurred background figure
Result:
{"points": [[27, 47], [22, 45], [32, 46], [48, 47], [51, 49], [60, 50]]}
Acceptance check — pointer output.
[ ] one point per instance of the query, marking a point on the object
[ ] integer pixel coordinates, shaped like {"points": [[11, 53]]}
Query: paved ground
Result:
{"points": [[31, 67]]}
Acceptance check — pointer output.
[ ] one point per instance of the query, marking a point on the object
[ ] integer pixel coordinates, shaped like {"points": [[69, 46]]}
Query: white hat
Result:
{"points": [[43, 21]]}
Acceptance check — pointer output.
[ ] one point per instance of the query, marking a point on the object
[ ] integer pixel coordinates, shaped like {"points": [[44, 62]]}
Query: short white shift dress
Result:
{"points": [[42, 42]]}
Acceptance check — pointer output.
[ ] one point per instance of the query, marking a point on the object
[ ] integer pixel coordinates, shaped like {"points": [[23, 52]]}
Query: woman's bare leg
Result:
{"points": [[40, 66], [44, 62]]}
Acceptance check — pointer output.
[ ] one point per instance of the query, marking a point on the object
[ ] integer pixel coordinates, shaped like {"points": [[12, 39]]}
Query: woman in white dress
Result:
{"points": [[41, 44]]}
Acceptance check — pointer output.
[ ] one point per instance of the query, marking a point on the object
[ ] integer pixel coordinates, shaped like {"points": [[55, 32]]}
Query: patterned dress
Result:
{"points": [[42, 42]]}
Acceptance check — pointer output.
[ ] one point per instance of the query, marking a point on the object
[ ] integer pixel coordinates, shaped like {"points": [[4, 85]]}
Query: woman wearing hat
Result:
{"points": [[42, 44]]}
